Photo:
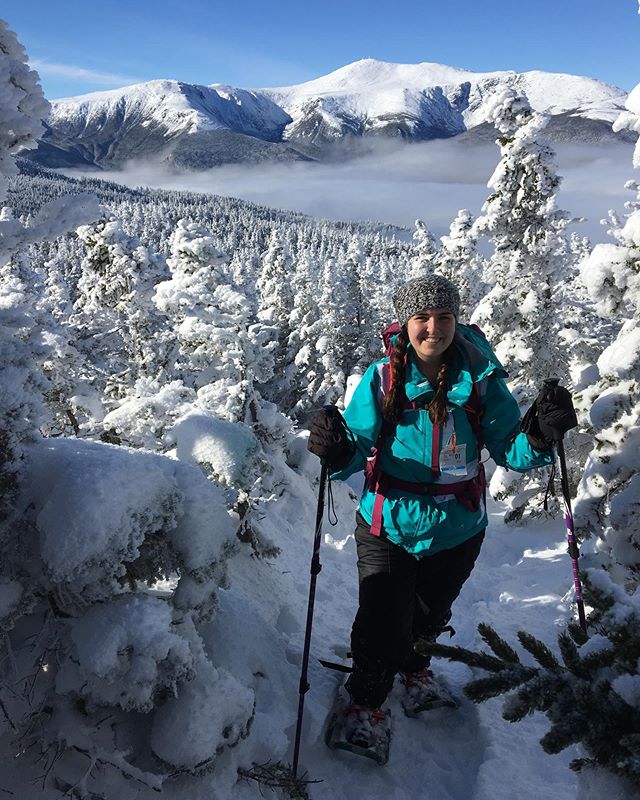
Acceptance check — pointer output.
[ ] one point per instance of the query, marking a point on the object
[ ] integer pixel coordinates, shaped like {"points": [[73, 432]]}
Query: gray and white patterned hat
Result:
{"points": [[431, 291]]}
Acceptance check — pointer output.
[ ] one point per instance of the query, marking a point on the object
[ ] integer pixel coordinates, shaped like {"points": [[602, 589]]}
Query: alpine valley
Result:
{"points": [[334, 117]]}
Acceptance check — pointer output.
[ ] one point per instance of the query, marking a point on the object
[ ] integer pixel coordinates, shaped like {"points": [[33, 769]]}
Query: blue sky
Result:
{"points": [[79, 48]]}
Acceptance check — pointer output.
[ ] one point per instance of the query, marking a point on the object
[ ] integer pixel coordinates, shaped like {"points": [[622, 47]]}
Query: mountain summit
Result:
{"points": [[333, 116]]}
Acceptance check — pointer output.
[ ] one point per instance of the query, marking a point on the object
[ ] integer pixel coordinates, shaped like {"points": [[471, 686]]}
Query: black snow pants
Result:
{"points": [[402, 600]]}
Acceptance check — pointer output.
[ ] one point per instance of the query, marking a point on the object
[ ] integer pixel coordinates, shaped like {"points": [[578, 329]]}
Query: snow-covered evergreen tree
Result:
{"points": [[221, 354], [337, 334], [424, 252], [519, 315], [459, 261], [589, 693], [22, 106], [304, 326], [97, 527], [114, 320], [608, 503], [275, 304]]}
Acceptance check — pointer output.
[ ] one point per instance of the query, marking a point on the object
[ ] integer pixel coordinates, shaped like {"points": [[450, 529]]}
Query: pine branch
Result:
{"points": [[538, 694], [485, 688], [577, 634], [578, 763], [460, 654], [559, 737], [570, 654], [277, 775], [498, 644], [597, 661], [539, 651]]}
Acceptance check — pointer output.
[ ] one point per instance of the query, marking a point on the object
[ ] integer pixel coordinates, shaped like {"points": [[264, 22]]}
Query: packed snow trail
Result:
{"points": [[465, 754]]}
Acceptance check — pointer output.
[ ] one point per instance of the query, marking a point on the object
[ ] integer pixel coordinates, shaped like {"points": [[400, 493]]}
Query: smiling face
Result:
{"points": [[431, 332]]}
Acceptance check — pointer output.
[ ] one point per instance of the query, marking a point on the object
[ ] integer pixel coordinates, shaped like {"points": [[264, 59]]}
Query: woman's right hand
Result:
{"points": [[328, 438]]}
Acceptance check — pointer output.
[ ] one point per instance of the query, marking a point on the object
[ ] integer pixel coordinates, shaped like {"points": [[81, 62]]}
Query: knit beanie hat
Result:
{"points": [[431, 291]]}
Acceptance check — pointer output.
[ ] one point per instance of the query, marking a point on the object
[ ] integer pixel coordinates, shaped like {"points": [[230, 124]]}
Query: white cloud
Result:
{"points": [[398, 185], [44, 67]]}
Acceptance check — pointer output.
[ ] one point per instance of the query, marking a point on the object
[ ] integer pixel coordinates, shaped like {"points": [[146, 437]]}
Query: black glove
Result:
{"points": [[329, 439], [550, 417]]}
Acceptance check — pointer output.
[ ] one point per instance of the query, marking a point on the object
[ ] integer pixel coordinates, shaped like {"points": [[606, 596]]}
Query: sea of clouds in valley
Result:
{"points": [[398, 185]]}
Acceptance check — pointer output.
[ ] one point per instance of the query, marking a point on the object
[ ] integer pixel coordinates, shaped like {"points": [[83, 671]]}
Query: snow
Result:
{"points": [[226, 448], [126, 652], [106, 497], [631, 119], [10, 594], [621, 357], [368, 88], [94, 505], [519, 582], [249, 654], [175, 106], [153, 606], [631, 229], [199, 715], [372, 84], [364, 95], [628, 687]]}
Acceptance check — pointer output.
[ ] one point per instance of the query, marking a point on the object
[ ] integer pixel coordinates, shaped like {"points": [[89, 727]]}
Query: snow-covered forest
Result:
{"points": [[161, 355]]}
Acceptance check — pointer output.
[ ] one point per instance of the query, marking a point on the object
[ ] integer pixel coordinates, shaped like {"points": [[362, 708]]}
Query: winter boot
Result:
{"points": [[423, 691], [360, 723], [359, 729]]}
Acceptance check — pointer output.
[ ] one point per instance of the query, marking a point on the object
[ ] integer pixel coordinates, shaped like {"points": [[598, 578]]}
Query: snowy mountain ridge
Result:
{"points": [[201, 126]]}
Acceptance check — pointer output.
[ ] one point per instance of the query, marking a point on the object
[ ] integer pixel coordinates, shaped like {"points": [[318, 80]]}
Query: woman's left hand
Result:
{"points": [[550, 417], [556, 414]]}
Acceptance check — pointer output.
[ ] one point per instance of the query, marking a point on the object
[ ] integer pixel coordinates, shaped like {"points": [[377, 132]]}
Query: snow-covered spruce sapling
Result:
{"points": [[588, 691], [305, 329], [520, 315], [104, 645], [459, 261], [275, 304], [222, 354], [608, 505], [424, 252], [115, 322], [527, 232], [22, 106]]}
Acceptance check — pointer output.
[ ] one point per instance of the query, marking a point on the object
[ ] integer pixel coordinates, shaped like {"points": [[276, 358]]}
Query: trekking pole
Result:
{"points": [[316, 566], [574, 551]]}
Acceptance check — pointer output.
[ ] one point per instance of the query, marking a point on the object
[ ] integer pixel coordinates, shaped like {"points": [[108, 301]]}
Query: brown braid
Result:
{"points": [[393, 401], [438, 406]]}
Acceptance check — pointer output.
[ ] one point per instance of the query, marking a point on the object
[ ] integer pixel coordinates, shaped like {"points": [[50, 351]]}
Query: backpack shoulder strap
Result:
{"points": [[474, 411]]}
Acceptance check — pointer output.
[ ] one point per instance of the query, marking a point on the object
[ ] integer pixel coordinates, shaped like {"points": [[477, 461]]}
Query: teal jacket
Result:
{"points": [[425, 524]]}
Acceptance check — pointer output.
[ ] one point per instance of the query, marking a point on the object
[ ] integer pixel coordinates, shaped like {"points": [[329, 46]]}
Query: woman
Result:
{"points": [[418, 422]]}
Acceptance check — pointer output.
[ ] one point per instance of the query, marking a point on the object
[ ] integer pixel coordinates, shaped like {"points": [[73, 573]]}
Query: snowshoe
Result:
{"points": [[423, 691], [358, 729]]}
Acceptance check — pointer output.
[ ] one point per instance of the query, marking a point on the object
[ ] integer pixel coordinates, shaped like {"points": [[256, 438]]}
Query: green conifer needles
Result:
{"points": [[589, 690]]}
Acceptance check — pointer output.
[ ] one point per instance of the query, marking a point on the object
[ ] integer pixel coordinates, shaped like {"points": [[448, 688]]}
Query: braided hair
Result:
{"points": [[394, 400], [438, 406]]}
